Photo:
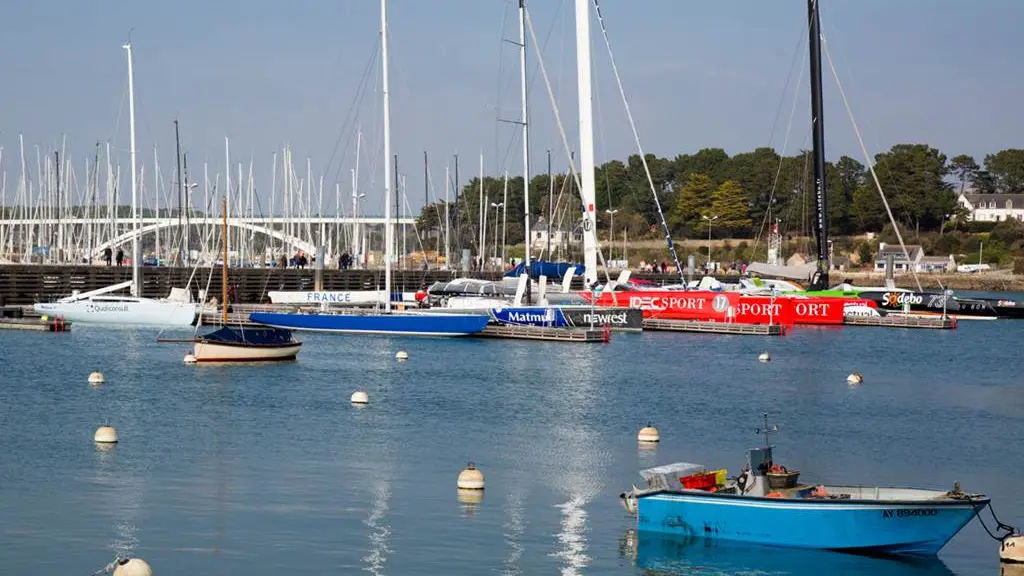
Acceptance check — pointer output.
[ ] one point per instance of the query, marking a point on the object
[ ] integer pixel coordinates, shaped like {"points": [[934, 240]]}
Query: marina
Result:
{"points": [[308, 368]]}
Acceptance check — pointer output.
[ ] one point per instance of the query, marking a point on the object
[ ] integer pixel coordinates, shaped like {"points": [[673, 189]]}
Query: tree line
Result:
{"points": [[739, 196]]}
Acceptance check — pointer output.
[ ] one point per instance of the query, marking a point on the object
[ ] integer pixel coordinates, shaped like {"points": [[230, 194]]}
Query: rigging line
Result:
{"points": [[636, 139], [355, 105], [789, 126], [870, 162], [565, 141]]}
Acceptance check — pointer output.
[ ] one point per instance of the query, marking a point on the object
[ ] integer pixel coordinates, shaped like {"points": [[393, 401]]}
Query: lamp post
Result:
{"points": [[497, 206], [611, 230], [710, 219]]}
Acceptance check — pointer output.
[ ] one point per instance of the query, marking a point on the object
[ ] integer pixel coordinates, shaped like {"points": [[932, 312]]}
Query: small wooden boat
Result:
{"points": [[239, 343], [246, 344]]}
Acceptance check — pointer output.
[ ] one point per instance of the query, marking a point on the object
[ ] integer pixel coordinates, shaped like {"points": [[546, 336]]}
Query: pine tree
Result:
{"points": [[694, 198], [729, 204]]}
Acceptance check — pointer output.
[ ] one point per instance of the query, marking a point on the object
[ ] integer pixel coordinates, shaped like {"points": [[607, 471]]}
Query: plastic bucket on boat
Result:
{"points": [[699, 481]]}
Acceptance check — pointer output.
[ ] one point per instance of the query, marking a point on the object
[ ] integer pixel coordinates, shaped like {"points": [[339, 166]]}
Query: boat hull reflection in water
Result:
{"points": [[672, 555], [246, 344]]}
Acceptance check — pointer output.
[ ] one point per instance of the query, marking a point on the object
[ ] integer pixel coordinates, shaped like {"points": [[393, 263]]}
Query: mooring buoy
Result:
{"points": [[855, 379], [105, 435], [360, 397], [470, 478], [132, 567], [96, 377], [190, 359], [402, 355], [764, 357], [648, 434]]}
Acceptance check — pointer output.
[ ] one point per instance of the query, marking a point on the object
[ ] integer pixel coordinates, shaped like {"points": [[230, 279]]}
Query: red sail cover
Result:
{"points": [[714, 306]]}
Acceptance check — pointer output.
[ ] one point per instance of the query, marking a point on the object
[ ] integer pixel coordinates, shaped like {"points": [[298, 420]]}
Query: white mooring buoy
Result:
{"points": [[360, 397], [855, 379], [402, 355], [190, 359], [1012, 549], [764, 357], [470, 478], [648, 434], [105, 435], [96, 377], [132, 567]]}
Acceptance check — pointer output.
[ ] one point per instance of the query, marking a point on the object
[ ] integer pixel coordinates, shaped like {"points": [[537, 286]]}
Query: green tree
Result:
{"points": [[729, 204], [1007, 167], [693, 198], [843, 179], [964, 168], [913, 178]]}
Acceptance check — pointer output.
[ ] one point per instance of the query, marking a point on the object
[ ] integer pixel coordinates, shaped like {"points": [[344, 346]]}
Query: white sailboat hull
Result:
{"points": [[215, 352], [122, 310]]}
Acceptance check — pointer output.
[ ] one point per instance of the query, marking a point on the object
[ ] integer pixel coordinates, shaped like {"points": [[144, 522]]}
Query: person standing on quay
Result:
{"points": [[120, 256]]}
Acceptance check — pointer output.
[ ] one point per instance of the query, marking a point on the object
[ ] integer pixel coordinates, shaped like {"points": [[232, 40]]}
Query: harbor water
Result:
{"points": [[269, 469]]}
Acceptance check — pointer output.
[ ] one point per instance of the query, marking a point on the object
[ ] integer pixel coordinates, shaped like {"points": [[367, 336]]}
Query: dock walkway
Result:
{"points": [[714, 327]]}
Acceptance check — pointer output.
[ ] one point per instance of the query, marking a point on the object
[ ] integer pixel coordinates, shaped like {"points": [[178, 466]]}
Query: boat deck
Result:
{"points": [[544, 333], [714, 327], [902, 321]]}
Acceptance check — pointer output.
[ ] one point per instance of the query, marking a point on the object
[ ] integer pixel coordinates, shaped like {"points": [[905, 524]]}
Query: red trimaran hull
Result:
{"points": [[715, 306]]}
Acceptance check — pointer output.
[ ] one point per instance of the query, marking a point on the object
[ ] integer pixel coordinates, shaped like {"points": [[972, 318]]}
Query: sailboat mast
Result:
{"points": [[181, 185], [526, 141], [136, 283], [586, 113], [818, 132], [224, 262], [388, 232]]}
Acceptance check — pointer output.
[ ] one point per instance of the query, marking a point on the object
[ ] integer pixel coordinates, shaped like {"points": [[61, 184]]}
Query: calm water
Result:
{"points": [[269, 469]]}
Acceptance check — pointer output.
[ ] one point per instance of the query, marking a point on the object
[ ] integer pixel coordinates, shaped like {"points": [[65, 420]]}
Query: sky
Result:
{"points": [[697, 73]]}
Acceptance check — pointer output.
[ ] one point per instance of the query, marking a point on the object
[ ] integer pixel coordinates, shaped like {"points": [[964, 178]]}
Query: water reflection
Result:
{"points": [[515, 527], [657, 554], [114, 474], [470, 501], [379, 529]]}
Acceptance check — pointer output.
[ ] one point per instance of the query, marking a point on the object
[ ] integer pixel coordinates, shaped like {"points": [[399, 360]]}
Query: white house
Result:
{"points": [[993, 207], [559, 238], [918, 260]]}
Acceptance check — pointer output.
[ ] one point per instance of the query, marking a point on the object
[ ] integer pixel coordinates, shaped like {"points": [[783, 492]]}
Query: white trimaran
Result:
{"points": [[96, 306]]}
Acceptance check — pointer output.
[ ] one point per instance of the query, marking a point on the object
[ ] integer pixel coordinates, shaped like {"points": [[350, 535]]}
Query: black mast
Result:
{"points": [[820, 281], [177, 153]]}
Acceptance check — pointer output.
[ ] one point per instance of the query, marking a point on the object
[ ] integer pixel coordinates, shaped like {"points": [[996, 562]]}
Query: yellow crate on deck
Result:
{"points": [[720, 476]]}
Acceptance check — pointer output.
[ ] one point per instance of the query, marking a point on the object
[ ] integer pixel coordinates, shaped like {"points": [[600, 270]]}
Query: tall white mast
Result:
{"points": [[136, 281], [526, 135], [447, 242], [587, 193], [388, 232]]}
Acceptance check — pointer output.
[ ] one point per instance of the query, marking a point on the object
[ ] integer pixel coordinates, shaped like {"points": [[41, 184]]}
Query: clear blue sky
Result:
{"points": [[698, 74]]}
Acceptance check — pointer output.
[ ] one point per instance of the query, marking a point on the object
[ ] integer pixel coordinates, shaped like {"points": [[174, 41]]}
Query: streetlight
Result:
{"points": [[710, 220], [497, 206], [611, 230]]}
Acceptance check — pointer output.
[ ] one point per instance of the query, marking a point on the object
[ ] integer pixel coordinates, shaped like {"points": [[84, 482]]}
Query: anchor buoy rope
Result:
{"points": [[1008, 531]]}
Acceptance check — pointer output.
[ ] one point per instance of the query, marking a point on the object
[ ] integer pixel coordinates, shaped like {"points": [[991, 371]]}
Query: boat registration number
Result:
{"points": [[907, 513]]}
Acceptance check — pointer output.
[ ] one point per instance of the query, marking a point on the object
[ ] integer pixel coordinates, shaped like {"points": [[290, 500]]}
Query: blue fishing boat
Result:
{"points": [[398, 323], [766, 504]]}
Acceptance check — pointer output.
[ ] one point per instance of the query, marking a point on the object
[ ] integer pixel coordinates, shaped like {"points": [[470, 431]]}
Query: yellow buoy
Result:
{"points": [[402, 355], [360, 397], [855, 379], [470, 478], [96, 377], [1012, 549], [764, 357], [190, 359], [132, 567], [105, 435], [648, 434]]}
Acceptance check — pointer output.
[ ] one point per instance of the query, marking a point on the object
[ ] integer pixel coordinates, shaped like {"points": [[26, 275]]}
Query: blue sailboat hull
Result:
{"points": [[397, 324], [862, 526]]}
